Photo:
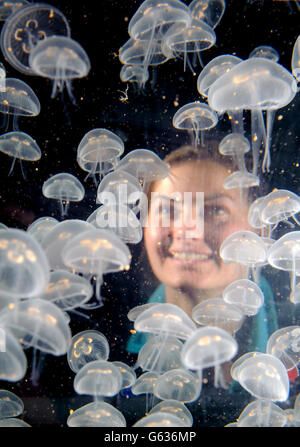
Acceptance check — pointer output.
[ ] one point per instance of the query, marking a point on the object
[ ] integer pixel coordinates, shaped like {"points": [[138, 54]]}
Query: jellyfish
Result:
{"points": [[160, 354], [128, 374], [296, 59], [245, 294], [178, 384], [165, 318], [24, 269], [24, 29], [61, 59], [13, 361], [279, 205], [145, 165], [121, 220], [208, 347], [134, 52], [19, 145], [265, 51], [246, 248], [67, 290], [213, 71], [13, 422], [56, 239], [145, 383], [295, 296], [135, 74], [99, 151], [160, 419], [254, 214], [41, 226], [217, 312], [97, 252], [182, 39], [137, 310], [98, 378], [256, 84], [285, 255], [284, 344], [197, 117], [210, 11], [262, 413], [8, 8], [18, 99], [176, 408], [87, 346], [96, 414], [264, 376], [65, 188], [2, 77], [11, 405]]}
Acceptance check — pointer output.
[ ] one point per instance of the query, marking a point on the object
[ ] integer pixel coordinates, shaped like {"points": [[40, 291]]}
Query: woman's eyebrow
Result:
{"points": [[216, 197]]}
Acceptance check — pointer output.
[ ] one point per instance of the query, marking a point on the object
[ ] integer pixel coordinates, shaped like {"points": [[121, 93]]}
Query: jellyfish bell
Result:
{"points": [[178, 384], [241, 179], [124, 186], [13, 361], [210, 11], [24, 29], [262, 413], [60, 59], [296, 59], [160, 419], [145, 383], [99, 151], [280, 205], [13, 422], [87, 346], [196, 117], [19, 145], [175, 407], [255, 84], [134, 52], [24, 268], [98, 378], [136, 74], [266, 52], [128, 374], [255, 213], [284, 344], [245, 294], [63, 187], [10, 405], [41, 226], [8, 8], [96, 414], [137, 310], [235, 145]]}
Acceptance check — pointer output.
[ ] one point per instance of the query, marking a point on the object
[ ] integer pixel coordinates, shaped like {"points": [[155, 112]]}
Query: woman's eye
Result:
{"points": [[215, 212]]}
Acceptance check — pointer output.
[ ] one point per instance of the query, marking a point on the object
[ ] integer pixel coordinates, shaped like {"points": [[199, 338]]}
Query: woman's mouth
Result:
{"points": [[189, 256]]}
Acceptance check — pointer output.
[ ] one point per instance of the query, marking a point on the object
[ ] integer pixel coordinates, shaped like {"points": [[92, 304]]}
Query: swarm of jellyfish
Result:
{"points": [[55, 269]]}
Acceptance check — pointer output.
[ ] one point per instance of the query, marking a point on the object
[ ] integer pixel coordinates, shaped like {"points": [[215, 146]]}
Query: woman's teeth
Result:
{"points": [[189, 256]]}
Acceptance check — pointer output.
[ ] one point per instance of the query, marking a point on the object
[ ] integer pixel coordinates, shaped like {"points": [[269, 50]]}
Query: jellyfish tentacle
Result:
{"points": [[12, 166], [267, 155]]}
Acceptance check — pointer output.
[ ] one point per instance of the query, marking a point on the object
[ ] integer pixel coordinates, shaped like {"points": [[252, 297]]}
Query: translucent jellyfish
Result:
{"points": [[2, 226], [137, 310], [254, 214], [13, 361], [213, 71], [19, 145], [285, 345], [24, 269], [96, 414], [61, 59], [185, 40], [165, 318], [125, 188], [176, 408], [295, 296], [217, 312], [245, 294], [244, 247], [160, 354], [178, 384], [56, 239], [210, 11], [40, 227], [160, 419], [18, 99], [262, 413], [196, 117], [24, 29], [145, 165], [10, 405], [67, 290], [279, 205], [285, 255], [8, 8], [135, 74], [264, 376], [265, 51], [296, 59], [128, 374], [208, 347], [13, 422], [65, 188], [135, 52], [97, 252], [87, 346], [98, 378], [39, 324], [99, 151], [2, 77], [255, 84], [145, 383]]}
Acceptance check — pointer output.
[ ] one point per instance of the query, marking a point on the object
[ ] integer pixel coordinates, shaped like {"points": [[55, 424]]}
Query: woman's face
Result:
{"points": [[179, 256]]}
